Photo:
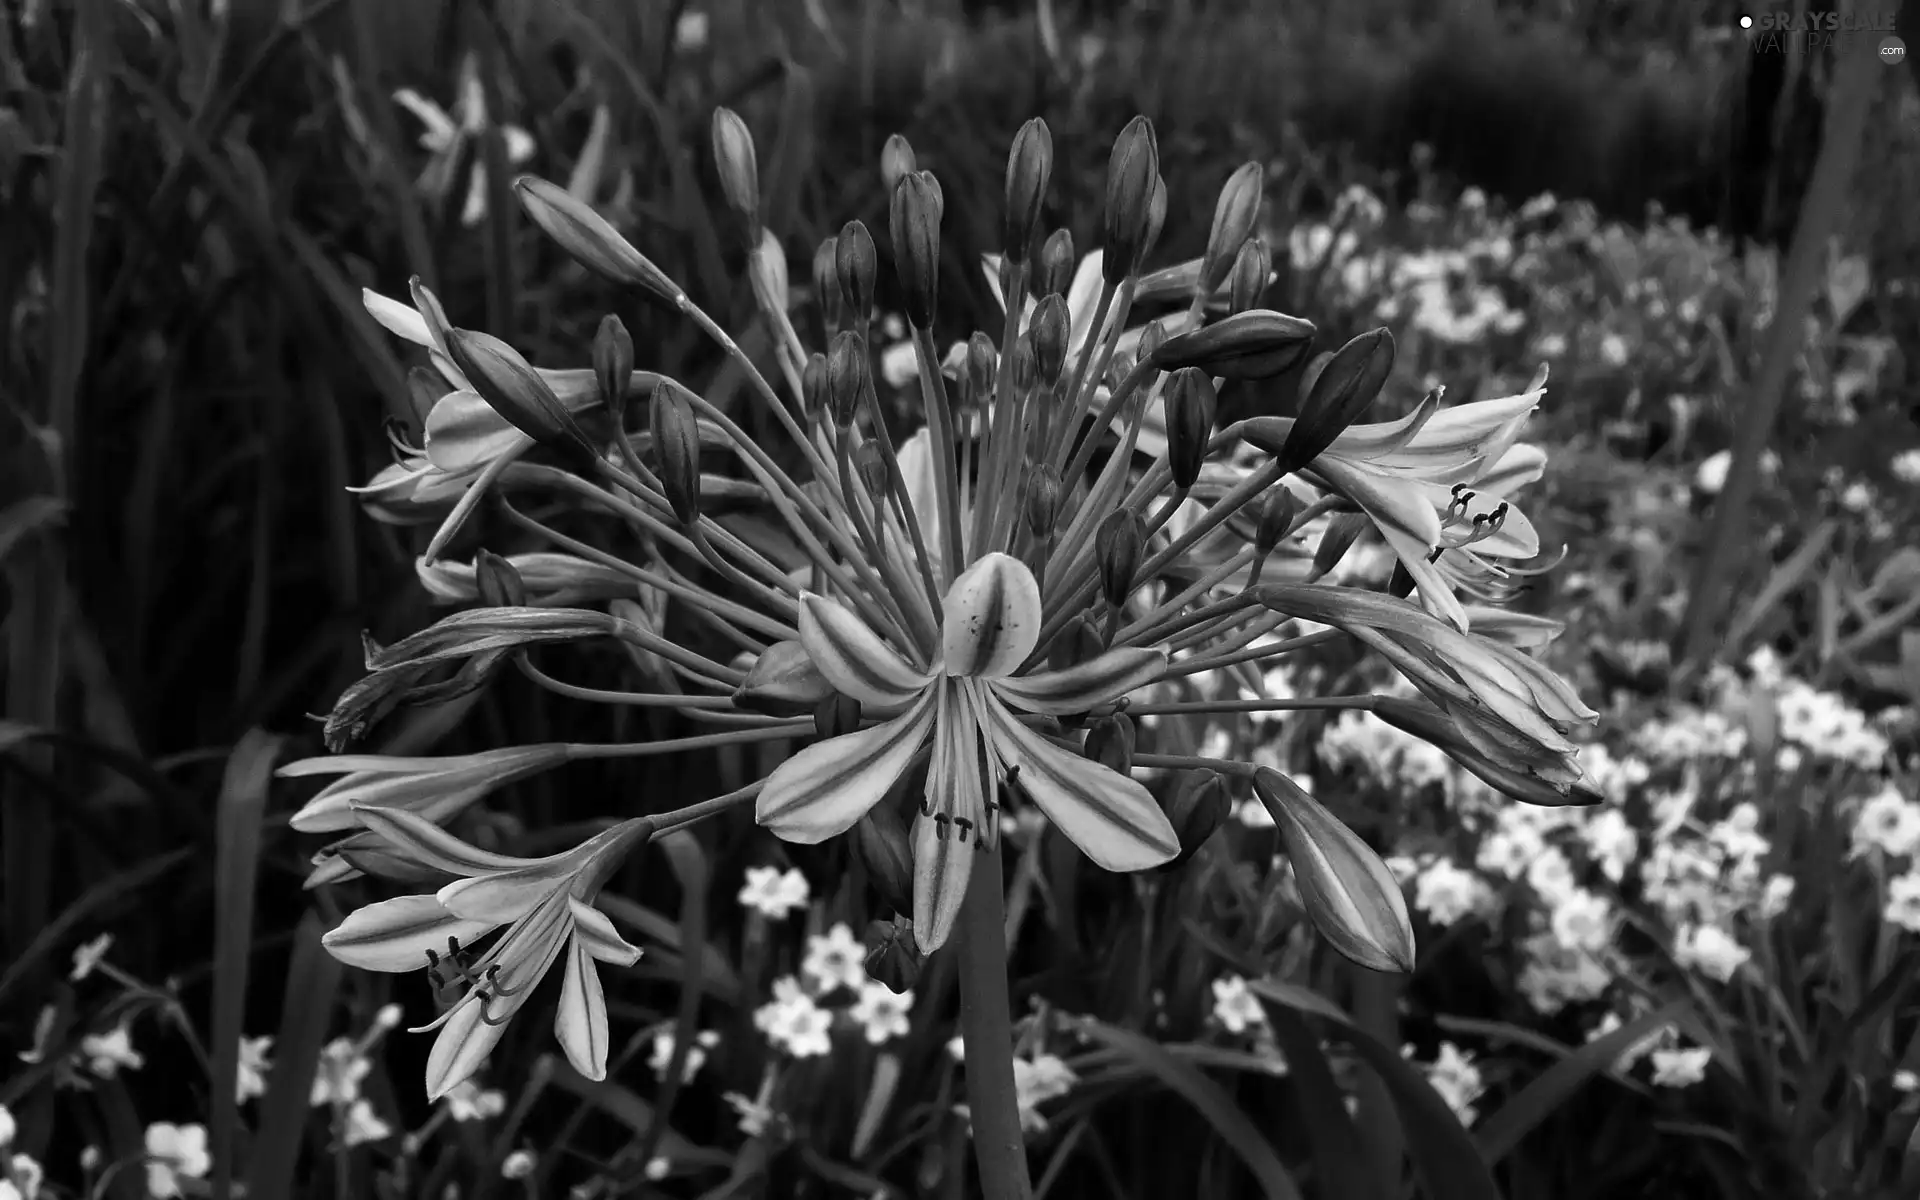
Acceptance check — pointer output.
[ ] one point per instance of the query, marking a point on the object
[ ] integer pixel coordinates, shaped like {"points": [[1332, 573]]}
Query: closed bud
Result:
{"points": [[1252, 271], [512, 388], [1133, 169], [1079, 642], [1057, 265], [1191, 405], [782, 682], [1236, 214], [1051, 326], [1342, 391], [856, 262], [1041, 502], [1152, 338], [1250, 345], [1196, 808], [982, 364], [826, 284], [893, 954], [589, 240], [835, 715], [1118, 368], [499, 581], [1512, 780], [1156, 220], [370, 854], [1118, 544], [875, 473], [1029, 165], [849, 375], [676, 447], [1343, 529], [739, 173], [916, 245], [613, 364], [1310, 374], [1350, 895], [897, 161], [880, 842], [1276, 519], [1025, 372], [1110, 742], [813, 384]]}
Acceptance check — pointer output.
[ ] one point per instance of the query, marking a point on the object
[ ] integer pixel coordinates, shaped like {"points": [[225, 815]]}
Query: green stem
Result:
{"points": [[986, 1024]]}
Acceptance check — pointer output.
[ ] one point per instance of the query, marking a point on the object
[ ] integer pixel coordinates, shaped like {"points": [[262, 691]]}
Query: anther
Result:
{"points": [[964, 826]]}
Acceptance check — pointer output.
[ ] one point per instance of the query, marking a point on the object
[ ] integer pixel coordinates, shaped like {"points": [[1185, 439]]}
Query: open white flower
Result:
{"points": [[174, 1153]]}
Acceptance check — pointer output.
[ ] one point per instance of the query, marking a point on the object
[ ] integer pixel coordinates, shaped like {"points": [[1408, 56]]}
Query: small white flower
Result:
{"points": [[1613, 350], [690, 33], [1906, 466], [1550, 875], [1903, 901], [957, 1048], [1235, 1006], [337, 1076], [1905, 1080], [109, 1053], [1583, 921], [1777, 895], [517, 1165], [1680, 1068], [1454, 1075], [468, 1101], [1887, 822], [794, 1023], [362, 1125], [251, 1073], [9, 1129], [26, 1181], [1710, 950], [883, 1012], [1447, 893], [774, 893], [837, 960], [662, 1055], [175, 1152], [755, 1115], [87, 958]]}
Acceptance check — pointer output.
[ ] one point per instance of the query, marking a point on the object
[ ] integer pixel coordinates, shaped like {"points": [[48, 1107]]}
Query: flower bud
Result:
{"points": [[982, 364], [897, 161], [1343, 529], [589, 240], [880, 843], [836, 714], [1029, 165], [1252, 271], [1156, 220], [1110, 742], [916, 245], [1310, 374], [613, 364], [1132, 171], [783, 682], [498, 581], [826, 284], [1276, 519], [1041, 502], [676, 447], [1349, 893], [1118, 543], [1342, 391], [893, 955], [1235, 216], [1051, 326], [813, 384], [512, 388], [1196, 808], [1079, 642], [370, 854], [1026, 374], [1250, 345], [849, 375], [1191, 404], [1057, 265], [739, 172], [1425, 721], [854, 261], [870, 462]]}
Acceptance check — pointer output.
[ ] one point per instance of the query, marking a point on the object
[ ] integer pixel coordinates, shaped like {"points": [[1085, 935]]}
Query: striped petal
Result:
{"points": [[991, 618], [580, 1023], [855, 660], [1351, 896], [401, 320], [395, 935], [824, 789], [463, 431], [942, 868], [501, 896], [1394, 503], [460, 1049], [434, 846], [1113, 819], [603, 941], [1097, 681]]}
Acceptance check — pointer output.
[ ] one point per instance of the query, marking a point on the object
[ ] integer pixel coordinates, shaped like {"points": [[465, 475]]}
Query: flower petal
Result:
{"points": [[824, 789], [580, 1023], [401, 320], [855, 660], [597, 933], [1076, 689], [1393, 502], [942, 867], [395, 935], [463, 431], [992, 618], [500, 896], [435, 847], [1113, 819], [1351, 896], [460, 1049]]}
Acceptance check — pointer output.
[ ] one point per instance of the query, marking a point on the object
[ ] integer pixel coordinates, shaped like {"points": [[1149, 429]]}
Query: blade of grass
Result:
{"points": [[1335, 1142], [243, 802], [1206, 1096], [312, 983]]}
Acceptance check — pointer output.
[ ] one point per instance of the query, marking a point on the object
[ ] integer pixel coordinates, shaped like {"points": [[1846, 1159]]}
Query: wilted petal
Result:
{"points": [[824, 789], [395, 935], [854, 658], [580, 1023], [436, 847], [592, 928], [1113, 819], [991, 618], [1351, 896], [1076, 689], [464, 431], [942, 867]]}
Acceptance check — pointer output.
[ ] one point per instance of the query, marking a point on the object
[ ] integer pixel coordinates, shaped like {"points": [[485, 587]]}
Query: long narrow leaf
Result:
{"points": [[312, 983]]}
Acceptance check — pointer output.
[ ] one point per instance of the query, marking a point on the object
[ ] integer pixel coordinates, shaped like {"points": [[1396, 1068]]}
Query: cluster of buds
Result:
{"points": [[967, 618]]}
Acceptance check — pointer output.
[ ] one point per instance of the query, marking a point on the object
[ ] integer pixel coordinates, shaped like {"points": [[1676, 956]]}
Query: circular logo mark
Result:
{"points": [[1892, 50]]}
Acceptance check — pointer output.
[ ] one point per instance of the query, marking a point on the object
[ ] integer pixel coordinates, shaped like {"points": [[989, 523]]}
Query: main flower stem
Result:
{"points": [[986, 1024]]}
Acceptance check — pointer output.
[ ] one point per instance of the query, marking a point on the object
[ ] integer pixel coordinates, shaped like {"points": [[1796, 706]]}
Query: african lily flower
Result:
{"points": [[969, 617], [545, 906]]}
